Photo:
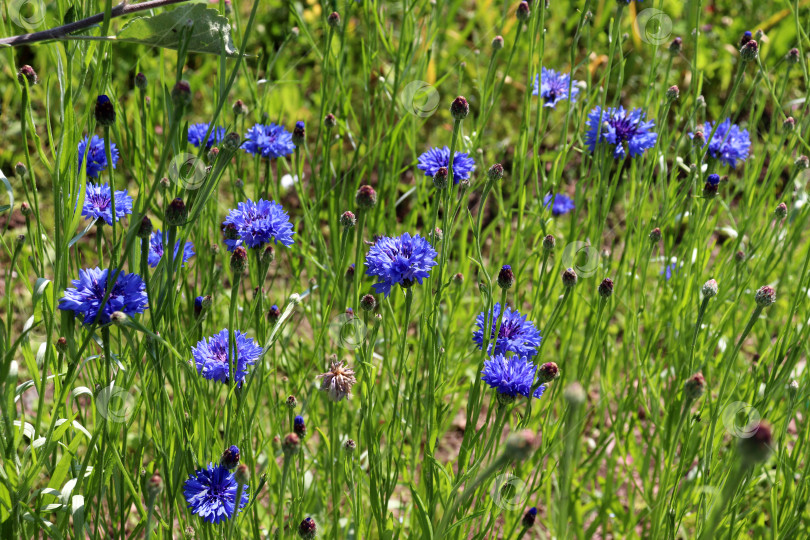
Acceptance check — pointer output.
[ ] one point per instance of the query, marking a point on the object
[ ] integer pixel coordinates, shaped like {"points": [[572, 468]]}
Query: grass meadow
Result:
{"points": [[414, 269]]}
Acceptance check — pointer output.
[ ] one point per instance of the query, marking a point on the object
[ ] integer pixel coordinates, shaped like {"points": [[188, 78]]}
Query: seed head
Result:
{"points": [[440, 178], [239, 108], [268, 255], [569, 278], [28, 74], [154, 486], [273, 314], [291, 444], [230, 457], [781, 210], [366, 197], [459, 109], [242, 474], [675, 46], [330, 121], [299, 133], [349, 446], [239, 260], [348, 220], [765, 296], [758, 446], [655, 235], [749, 51], [368, 302], [529, 517], [673, 92], [338, 381], [793, 388], [497, 43], [802, 163], [333, 19], [177, 212], [307, 529], [118, 317], [291, 402], [506, 278], [105, 111], [709, 289], [694, 386], [788, 125], [606, 288], [181, 95], [523, 11], [300, 427], [548, 372], [145, 228], [793, 56]]}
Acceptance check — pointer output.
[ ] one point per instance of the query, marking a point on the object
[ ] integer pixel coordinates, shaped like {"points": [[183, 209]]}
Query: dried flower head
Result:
{"points": [[338, 381]]}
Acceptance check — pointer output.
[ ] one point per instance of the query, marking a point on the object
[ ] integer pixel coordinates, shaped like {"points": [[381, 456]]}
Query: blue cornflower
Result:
{"points": [[714, 179], [511, 376], [552, 86], [670, 270], [626, 131], [128, 295], [269, 141], [98, 203], [212, 359], [156, 243], [401, 259], [436, 158], [211, 493], [516, 334], [196, 134], [256, 223], [96, 155], [729, 142], [560, 204]]}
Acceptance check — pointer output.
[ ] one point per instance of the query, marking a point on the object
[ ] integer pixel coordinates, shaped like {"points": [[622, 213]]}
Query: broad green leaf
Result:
{"points": [[210, 34]]}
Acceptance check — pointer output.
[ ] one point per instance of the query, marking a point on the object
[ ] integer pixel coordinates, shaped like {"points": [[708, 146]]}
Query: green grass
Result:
{"points": [[89, 428]]}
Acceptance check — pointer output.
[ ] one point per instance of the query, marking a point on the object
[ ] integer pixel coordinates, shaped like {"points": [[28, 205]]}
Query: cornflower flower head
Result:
{"points": [[196, 135], [256, 223], [93, 151], [559, 204], [728, 144], [211, 494], [511, 376], [399, 260], [156, 244], [626, 131], [128, 295], [435, 158], [98, 203], [270, 141], [552, 86], [338, 381], [515, 334], [213, 359]]}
